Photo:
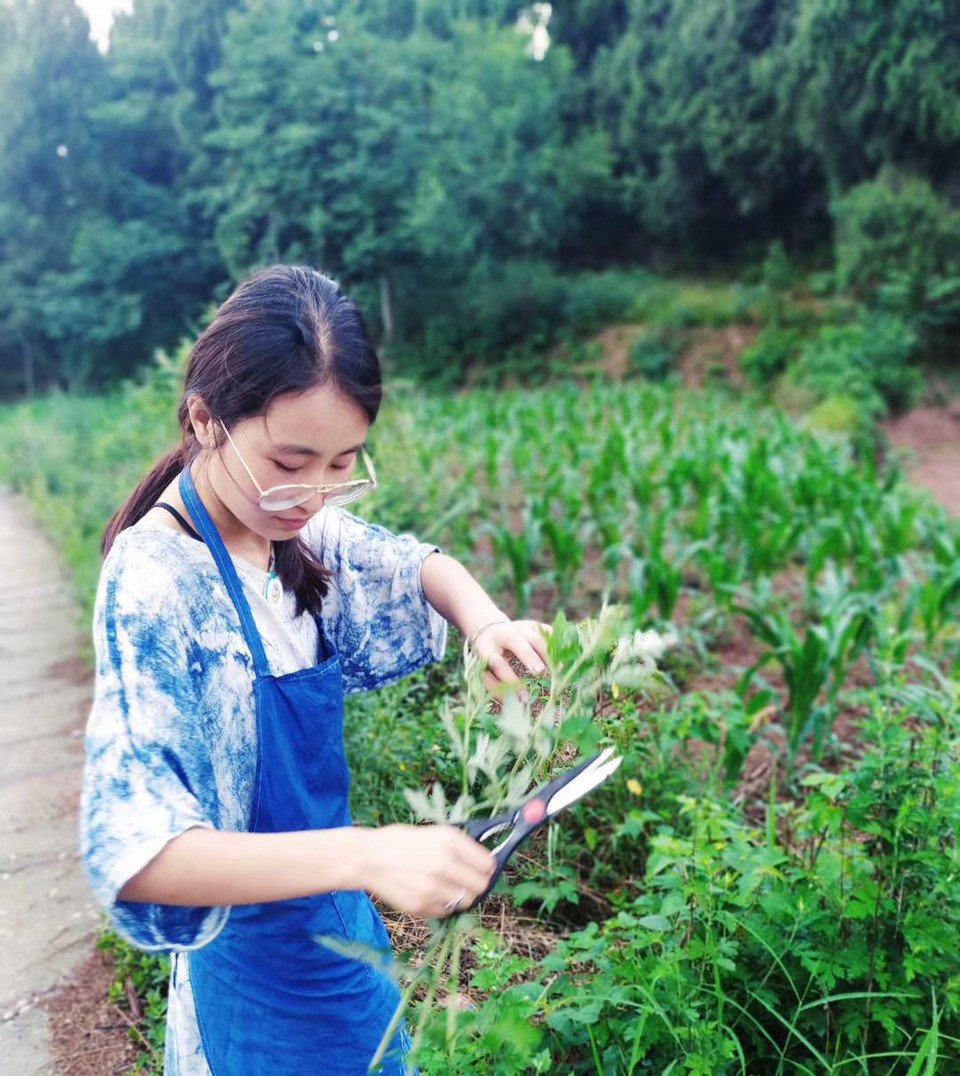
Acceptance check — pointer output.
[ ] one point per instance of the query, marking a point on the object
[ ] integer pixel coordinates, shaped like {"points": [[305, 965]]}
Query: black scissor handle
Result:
{"points": [[523, 821], [528, 817]]}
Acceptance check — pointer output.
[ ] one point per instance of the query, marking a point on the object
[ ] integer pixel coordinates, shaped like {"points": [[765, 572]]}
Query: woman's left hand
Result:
{"points": [[523, 639]]}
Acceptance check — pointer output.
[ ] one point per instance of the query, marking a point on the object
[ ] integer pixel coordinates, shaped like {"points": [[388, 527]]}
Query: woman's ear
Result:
{"points": [[203, 423]]}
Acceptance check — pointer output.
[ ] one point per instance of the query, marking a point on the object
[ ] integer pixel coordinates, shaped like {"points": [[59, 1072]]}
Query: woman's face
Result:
{"points": [[311, 438]]}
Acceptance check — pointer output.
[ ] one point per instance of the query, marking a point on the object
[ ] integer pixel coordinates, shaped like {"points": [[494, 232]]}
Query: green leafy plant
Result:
{"points": [[139, 988], [653, 354], [868, 360], [503, 747], [770, 354], [814, 658]]}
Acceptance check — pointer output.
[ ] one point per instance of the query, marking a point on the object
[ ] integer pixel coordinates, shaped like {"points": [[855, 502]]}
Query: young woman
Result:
{"points": [[237, 603]]}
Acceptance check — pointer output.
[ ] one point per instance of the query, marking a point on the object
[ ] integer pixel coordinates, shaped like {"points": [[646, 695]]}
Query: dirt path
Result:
{"points": [[930, 438], [47, 915]]}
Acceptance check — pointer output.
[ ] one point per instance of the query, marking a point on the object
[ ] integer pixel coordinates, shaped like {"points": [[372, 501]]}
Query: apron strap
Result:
{"points": [[223, 561]]}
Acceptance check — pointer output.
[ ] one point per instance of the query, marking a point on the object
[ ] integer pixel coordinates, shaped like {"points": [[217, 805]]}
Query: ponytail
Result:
{"points": [[144, 497]]}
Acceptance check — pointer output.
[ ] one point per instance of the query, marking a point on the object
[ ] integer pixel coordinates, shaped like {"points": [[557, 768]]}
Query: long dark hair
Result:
{"points": [[286, 329]]}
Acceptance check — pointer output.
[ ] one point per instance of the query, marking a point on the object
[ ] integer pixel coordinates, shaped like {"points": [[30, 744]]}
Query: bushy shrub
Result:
{"points": [[868, 360], [653, 354], [770, 354], [837, 414], [731, 950], [678, 305], [896, 228], [508, 317], [596, 300]]}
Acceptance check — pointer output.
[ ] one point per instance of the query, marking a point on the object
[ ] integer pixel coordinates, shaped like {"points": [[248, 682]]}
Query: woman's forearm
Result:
{"points": [[208, 867], [493, 637], [418, 869], [456, 595]]}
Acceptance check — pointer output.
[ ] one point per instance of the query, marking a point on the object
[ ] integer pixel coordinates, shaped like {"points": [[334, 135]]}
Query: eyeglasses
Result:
{"points": [[280, 498]]}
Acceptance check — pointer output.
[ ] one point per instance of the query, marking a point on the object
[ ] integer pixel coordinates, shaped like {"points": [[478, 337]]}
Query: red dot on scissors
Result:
{"points": [[534, 811]]}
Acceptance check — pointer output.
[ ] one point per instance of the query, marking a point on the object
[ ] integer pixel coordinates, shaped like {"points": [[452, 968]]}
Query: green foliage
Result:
{"points": [[439, 175], [653, 354], [699, 133], [873, 85], [457, 179], [103, 260], [895, 225], [506, 321], [814, 659], [596, 300], [79, 458], [50, 74], [842, 415], [146, 977], [898, 245], [503, 744], [868, 360], [770, 354], [732, 950], [679, 304], [394, 736]]}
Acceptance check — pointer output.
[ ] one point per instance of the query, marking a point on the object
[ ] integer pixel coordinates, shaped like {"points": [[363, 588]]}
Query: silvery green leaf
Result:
{"points": [[480, 758], [642, 647], [380, 959], [457, 742], [543, 744], [439, 800], [463, 808], [517, 786], [634, 676], [515, 721], [420, 804]]}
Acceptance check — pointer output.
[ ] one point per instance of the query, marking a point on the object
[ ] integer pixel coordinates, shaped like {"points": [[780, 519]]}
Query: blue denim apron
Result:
{"points": [[271, 1000]]}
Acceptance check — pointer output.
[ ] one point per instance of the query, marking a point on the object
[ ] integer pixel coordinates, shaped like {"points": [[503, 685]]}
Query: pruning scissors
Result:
{"points": [[539, 808]]}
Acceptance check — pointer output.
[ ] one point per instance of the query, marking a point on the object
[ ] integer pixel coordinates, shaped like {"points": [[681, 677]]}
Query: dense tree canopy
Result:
{"points": [[432, 155]]}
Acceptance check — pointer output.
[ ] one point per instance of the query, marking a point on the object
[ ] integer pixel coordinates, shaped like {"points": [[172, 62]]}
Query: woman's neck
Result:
{"points": [[236, 536]]}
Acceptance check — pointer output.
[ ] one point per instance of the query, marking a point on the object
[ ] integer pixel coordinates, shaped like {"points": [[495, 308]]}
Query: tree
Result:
{"points": [[399, 164], [103, 252], [876, 84], [706, 157], [51, 74], [587, 26]]}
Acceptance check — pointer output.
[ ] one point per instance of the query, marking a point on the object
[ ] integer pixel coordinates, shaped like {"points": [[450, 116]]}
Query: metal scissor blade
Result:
{"points": [[588, 779]]}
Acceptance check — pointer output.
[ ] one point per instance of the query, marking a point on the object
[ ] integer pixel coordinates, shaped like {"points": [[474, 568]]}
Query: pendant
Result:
{"points": [[273, 589]]}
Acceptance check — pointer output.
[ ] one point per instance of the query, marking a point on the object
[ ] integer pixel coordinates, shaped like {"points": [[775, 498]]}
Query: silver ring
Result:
{"points": [[454, 905]]}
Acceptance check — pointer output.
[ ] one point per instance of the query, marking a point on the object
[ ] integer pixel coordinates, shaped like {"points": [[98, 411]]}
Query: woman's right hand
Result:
{"points": [[425, 870]]}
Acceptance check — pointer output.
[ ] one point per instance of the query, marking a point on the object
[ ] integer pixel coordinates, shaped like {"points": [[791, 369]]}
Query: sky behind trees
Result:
{"points": [[101, 14]]}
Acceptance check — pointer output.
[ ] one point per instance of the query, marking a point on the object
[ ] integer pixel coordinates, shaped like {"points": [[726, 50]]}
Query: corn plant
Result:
{"points": [[558, 518], [520, 551], [934, 598], [813, 657], [656, 575]]}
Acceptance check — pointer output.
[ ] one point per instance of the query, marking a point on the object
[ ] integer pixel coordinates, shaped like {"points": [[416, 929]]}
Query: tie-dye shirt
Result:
{"points": [[171, 741]]}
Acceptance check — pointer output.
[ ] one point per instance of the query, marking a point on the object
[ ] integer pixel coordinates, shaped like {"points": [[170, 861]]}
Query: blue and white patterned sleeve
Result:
{"points": [[144, 755], [376, 613]]}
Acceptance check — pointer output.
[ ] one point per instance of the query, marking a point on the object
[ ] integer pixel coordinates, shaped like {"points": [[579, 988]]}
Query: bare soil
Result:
{"points": [[929, 438], [90, 1035], [712, 355]]}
